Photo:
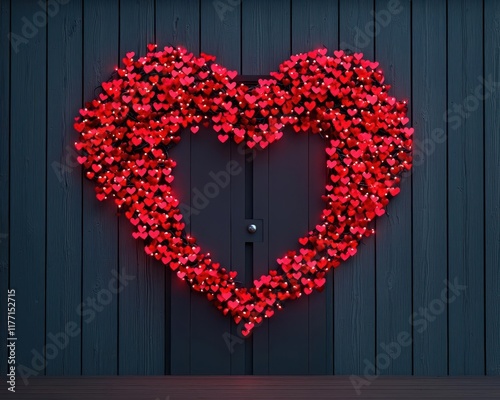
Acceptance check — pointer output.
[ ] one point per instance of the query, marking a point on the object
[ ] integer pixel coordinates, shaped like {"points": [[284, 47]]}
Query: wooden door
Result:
{"points": [[59, 246]]}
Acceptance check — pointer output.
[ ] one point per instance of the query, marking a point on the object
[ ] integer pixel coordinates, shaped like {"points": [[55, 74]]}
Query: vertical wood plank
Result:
{"points": [[241, 348], [265, 44], [492, 184], [315, 25], [220, 33], [261, 252], [145, 330], [393, 240], [64, 187], [465, 187], [288, 179], [177, 24], [429, 185], [354, 280], [142, 305], [28, 194], [211, 226], [4, 171], [265, 35], [100, 222]]}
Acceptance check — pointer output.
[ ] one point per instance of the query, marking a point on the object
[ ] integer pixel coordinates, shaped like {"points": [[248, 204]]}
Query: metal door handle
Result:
{"points": [[252, 228]]}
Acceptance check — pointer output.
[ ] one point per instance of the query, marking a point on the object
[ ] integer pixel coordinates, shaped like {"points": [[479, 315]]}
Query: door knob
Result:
{"points": [[252, 228]]}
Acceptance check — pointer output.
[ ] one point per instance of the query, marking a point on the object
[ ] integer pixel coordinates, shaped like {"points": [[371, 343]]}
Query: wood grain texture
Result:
{"points": [[100, 219], [60, 247], [260, 251], [241, 349], [288, 183], [316, 25], [354, 280], [141, 315], [28, 194], [221, 35], [465, 187], [259, 387], [212, 228], [430, 355], [261, 20], [64, 187], [4, 171], [393, 230], [177, 24], [492, 186]]}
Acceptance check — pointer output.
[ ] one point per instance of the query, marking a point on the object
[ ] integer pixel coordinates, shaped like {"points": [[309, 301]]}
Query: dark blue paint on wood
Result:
{"points": [[4, 170], [100, 220], [393, 240], [492, 186], [430, 261], [64, 186], [315, 25], [142, 304], [262, 20], [354, 281], [64, 244], [177, 24], [288, 184], [465, 188], [221, 35], [211, 226], [28, 193]]}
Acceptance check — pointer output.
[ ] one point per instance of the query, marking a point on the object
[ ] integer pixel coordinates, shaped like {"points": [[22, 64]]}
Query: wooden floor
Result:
{"points": [[252, 387]]}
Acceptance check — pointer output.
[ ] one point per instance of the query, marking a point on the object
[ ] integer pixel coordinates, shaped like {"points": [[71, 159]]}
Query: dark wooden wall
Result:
{"points": [[59, 246]]}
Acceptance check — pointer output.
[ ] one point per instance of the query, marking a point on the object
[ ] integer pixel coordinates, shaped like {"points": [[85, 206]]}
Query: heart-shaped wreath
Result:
{"points": [[127, 131]]}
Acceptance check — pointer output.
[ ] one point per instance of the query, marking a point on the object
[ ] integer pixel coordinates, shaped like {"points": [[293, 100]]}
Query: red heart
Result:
{"points": [[126, 133]]}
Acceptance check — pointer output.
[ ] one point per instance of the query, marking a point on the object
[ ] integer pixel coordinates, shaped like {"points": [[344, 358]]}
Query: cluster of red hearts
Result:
{"points": [[142, 112]]}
